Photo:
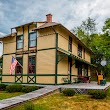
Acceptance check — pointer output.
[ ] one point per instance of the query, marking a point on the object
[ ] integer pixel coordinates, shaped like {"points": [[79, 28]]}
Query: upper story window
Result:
{"points": [[80, 51], [32, 39], [70, 44], [19, 69], [19, 42], [31, 66]]}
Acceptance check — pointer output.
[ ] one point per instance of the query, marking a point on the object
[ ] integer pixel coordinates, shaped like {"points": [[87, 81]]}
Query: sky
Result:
{"points": [[70, 13]]}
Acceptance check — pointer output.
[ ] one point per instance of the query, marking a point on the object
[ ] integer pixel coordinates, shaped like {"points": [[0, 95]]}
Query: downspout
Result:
{"points": [[56, 56]]}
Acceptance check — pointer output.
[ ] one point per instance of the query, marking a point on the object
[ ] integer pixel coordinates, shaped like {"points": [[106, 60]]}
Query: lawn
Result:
{"points": [[5, 95], [60, 102]]}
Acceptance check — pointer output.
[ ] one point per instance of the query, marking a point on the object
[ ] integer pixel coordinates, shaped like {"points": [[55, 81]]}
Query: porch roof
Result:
{"points": [[75, 57]]}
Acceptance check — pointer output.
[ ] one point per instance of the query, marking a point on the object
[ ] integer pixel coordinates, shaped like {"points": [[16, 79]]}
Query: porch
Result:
{"points": [[91, 85], [82, 88]]}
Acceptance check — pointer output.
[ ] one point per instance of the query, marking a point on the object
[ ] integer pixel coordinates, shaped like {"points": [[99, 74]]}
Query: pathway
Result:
{"points": [[6, 103]]}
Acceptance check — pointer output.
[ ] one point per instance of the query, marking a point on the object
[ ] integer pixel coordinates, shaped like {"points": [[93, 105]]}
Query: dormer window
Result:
{"points": [[19, 42], [80, 51], [32, 39], [70, 44]]}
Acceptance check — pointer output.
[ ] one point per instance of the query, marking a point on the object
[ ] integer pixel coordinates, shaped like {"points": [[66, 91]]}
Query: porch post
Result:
{"points": [[56, 62]]}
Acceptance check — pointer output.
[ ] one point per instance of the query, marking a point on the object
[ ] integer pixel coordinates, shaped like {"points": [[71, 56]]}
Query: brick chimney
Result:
{"points": [[49, 17]]}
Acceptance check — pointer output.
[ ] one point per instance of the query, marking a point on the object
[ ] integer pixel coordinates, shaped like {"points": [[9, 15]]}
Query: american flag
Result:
{"points": [[13, 65]]}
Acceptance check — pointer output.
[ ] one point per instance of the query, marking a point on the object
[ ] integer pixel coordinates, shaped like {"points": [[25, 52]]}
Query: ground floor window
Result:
{"points": [[85, 70], [31, 65], [80, 70], [19, 69]]}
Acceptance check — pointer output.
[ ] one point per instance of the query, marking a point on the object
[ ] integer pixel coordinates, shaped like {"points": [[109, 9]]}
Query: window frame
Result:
{"points": [[79, 51], [32, 40], [32, 65], [85, 70], [70, 44], [80, 69], [18, 58], [19, 42]]}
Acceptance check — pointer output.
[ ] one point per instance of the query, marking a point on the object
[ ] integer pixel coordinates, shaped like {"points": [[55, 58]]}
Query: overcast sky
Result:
{"points": [[70, 13]]}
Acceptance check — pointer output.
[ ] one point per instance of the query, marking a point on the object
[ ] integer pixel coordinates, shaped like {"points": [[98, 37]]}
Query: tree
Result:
{"points": [[85, 30], [98, 43]]}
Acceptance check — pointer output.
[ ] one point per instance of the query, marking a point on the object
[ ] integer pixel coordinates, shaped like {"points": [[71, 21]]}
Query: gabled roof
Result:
{"points": [[8, 35], [51, 24], [28, 24]]}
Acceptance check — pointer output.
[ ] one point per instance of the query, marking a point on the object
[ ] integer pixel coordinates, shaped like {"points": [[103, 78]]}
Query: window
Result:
{"points": [[20, 42], [19, 69], [31, 65], [80, 70], [32, 39], [85, 70], [80, 51], [70, 44]]}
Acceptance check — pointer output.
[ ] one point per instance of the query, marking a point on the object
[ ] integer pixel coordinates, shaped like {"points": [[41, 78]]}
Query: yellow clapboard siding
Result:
{"points": [[46, 62]]}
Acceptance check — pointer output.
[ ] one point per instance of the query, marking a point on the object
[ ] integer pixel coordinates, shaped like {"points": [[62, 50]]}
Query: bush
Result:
{"points": [[68, 92], [14, 88], [97, 94], [27, 89], [29, 106], [2, 87]]}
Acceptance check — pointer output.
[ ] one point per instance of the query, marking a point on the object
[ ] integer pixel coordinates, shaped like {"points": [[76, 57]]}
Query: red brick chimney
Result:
{"points": [[49, 17]]}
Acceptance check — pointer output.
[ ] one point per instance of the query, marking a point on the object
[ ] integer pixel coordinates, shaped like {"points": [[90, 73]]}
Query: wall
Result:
{"points": [[46, 66], [63, 40], [9, 45], [62, 68]]}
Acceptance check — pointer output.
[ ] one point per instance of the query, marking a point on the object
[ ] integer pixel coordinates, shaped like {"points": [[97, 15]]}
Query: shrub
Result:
{"points": [[14, 88], [68, 92], [27, 89], [2, 87], [29, 106], [97, 94]]}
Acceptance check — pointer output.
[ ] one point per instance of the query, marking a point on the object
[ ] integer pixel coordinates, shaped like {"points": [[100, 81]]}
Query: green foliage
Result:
{"points": [[14, 88], [97, 94], [99, 43], [29, 106], [2, 87], [68, 92], [40, 107], [27, 89]]}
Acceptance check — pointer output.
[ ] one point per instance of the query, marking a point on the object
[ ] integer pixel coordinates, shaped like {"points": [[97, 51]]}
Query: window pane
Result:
{"points": [[32, 39], [31, 65], [19, 42], [32, 36], [70, 44], [32, 43], [19, 45], [18, 67]]}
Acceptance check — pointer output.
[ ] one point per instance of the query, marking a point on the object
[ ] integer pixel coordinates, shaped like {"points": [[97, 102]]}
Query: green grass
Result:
{"points": [[5, 95], [78, 102]]}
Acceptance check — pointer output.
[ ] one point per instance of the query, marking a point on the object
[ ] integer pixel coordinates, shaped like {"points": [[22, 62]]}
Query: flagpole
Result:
{"points": [[20, 64]]}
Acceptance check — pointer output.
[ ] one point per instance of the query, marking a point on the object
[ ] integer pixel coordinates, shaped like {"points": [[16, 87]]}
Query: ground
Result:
{"points": [[5, 95], [60, 102]]}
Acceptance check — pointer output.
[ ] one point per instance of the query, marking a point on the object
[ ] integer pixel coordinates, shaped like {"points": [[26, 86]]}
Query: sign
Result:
{"points": [[103, 62]]}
